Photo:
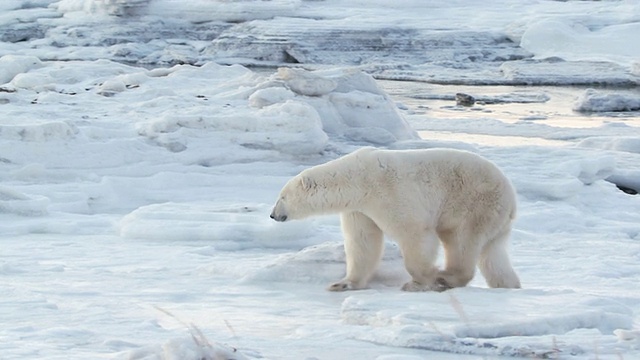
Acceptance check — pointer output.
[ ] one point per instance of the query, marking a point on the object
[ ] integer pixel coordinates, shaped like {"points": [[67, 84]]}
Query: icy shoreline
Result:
{"points": [[442, 43]]}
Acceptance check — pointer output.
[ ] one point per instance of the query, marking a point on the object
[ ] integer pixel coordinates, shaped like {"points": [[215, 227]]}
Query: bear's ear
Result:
{"points": [[307, 183]]}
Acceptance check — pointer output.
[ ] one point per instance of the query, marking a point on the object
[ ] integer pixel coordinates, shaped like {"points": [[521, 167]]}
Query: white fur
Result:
{"points": [[419, 198]]}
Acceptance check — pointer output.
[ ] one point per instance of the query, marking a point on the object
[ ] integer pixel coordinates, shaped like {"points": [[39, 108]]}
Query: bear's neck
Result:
{"points": [[343, 190]]}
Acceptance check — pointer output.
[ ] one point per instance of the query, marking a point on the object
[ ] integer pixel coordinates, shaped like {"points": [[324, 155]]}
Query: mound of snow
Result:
{"points": [[293, 112], [324, 263], [459, 321], [194, 348], [232, 11], [306, 83], [595, 101], [12, 65], [292, 127], [573, 41], [36, 81], [628, 180], [627, 335], [350, 104], [555, 71], [196, 11], [46, 131], [430, 144], [197, 113], [625, 176], [15, 202], [110, 7], [630, 144], [591, 170], [563, 179], [226, 227]]}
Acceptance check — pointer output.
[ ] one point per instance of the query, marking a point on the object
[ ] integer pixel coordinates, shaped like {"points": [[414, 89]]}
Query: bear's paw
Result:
{"points": [[345, 285], [413, 286]]}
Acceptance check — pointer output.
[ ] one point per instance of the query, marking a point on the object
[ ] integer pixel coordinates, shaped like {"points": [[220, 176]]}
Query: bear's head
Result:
{"points": [[296, 199]]}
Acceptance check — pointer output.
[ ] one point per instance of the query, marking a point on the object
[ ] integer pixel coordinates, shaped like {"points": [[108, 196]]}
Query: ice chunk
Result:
{"points": [[629, 144], [574, 41], [366, 110], [34, 81], [459, 321], [111, 87], [226, 227], [554, 71], [373, 135], [306, 83], [627, 335], [592, 169], [350, 104], [109, 7], [270, 96], [293, 127], [15, 202], [595, 101], [196, 347], [325, 263], [199, 11], [12, 65], [47, 131]]}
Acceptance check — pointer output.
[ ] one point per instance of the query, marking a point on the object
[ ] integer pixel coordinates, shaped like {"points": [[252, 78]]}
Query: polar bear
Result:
{"points": [[419, 198]]}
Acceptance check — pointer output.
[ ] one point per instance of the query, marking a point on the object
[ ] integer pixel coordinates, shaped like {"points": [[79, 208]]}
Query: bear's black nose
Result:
{"points": [[279, 218]]}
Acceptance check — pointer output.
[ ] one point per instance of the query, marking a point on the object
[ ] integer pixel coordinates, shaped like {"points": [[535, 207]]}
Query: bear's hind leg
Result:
{"points": [[495, 265], [461, 255], [363, 247], [420, 252]]}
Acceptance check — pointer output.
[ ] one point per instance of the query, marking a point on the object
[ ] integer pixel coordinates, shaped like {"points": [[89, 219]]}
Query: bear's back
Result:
{"points": [[432, 159], [449, 170]]}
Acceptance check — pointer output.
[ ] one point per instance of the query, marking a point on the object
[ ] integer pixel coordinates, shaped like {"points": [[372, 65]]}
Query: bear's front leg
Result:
{"points": [[420, 253], [363, 247]]}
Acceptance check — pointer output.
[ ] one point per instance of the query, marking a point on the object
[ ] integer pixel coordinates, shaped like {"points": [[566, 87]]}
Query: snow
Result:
{"points": [[569, 41], [594, 101], [140, 159], [16, 65]]}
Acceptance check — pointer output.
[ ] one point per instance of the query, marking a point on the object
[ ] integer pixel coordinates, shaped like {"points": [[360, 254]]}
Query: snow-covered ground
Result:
{"points": [[140, 160]]}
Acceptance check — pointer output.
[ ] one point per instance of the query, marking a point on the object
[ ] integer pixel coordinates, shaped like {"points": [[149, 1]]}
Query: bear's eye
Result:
{"points": [[281, 197]]}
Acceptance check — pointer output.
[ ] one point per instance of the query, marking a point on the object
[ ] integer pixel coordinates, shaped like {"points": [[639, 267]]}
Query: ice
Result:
{"points": [[401, 321], [297, 124], [270, 96], [628, 176], [323, 264], [556, 71], [140, 157], [225, 227], [629, 144], [305, 83], [14, 202], [185, 349], [14, 65], [594, 101], [433, 42], [110, 7], [576, 41], [232, 11]]}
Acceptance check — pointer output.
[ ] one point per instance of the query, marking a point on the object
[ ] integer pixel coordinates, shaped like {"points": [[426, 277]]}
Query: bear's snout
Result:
{"points": [[276, 217]]}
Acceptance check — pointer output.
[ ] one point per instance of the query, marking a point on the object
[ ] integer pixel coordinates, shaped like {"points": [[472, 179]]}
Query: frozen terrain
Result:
{"points": [[140, 158]]}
